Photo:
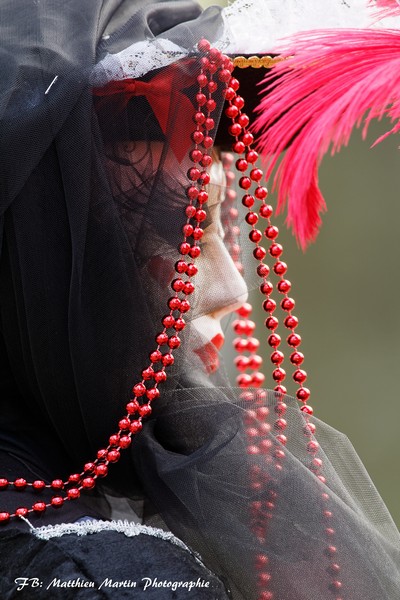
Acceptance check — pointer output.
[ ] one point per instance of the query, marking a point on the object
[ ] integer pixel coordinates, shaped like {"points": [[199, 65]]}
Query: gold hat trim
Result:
{"points": [[256, 62]]}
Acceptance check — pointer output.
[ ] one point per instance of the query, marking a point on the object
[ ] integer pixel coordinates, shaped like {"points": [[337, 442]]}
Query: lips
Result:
{"points": [[208, 353], [218, 341]]}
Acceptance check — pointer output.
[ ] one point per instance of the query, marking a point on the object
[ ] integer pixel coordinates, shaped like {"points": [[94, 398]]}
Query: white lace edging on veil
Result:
{"points": [[136, 60]]}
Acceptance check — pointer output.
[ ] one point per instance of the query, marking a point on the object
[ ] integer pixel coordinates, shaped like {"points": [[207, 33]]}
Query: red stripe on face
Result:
{"points": [[209, 353], [218, 341]]}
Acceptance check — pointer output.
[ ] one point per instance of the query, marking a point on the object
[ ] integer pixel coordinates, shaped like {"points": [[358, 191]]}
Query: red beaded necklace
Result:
{"points": [[215, 70], [256, 420]]}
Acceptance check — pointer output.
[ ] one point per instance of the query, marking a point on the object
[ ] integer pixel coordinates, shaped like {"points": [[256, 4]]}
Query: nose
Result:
{"points": [[223, 289], [234, 290]]}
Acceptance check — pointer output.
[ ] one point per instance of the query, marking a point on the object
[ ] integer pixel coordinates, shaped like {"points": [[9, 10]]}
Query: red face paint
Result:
{"points": [[209, 353]]}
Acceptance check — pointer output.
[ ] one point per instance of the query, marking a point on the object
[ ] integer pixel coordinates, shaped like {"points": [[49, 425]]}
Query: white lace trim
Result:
{"points": [[94, 526], [136, 60], [254, 26]]}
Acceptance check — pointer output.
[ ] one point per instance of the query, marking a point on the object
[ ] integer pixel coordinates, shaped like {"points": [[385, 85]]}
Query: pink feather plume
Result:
{"points": [[385, 8], [330, 82]]}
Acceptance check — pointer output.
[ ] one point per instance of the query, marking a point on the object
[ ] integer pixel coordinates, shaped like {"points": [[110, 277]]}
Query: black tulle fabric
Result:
{"points": [[92, 207]]}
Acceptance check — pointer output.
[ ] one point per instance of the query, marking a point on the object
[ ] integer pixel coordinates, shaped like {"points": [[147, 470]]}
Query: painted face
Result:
{"points": [[221, 287]]}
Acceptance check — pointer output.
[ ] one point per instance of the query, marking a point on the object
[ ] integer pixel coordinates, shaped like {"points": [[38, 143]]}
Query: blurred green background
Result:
{"points": [[205, 3], [347, 291]]}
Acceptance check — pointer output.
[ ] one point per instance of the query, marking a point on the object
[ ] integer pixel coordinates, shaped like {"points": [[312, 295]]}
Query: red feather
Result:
{"points": [[392, 4], [386, 8], [330, 82]]}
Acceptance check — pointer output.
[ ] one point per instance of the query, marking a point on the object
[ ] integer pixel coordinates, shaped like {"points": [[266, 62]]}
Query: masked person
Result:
{"points": [[120, 255]]}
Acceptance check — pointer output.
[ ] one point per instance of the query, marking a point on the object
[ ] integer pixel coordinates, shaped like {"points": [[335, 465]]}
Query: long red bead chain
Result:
{"points": [[256, 424], [243, 326]]}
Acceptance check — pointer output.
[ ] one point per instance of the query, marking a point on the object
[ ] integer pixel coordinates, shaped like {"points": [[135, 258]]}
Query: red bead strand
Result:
{"points": [[248, 343], [243, 142], [243, 326], [229, 213], [257, 426]]}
